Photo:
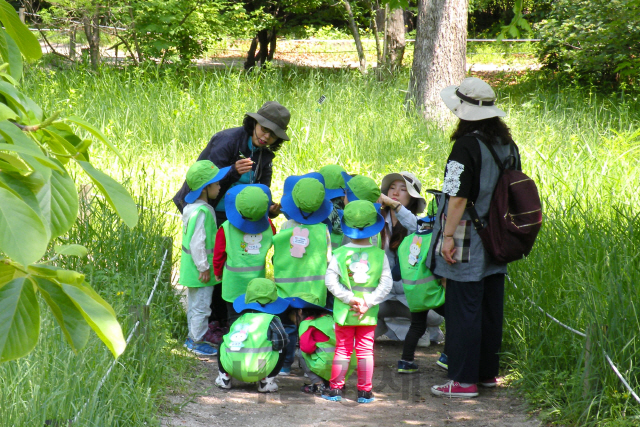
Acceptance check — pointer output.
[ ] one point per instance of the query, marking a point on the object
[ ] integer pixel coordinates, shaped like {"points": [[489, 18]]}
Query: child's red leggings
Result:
{"points": [[345, 337]]}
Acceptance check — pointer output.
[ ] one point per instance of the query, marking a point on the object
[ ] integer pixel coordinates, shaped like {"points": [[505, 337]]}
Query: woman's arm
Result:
{"points": [[454, 213]]}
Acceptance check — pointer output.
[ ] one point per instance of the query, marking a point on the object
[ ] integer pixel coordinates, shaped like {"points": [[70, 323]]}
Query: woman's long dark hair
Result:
{"points": [[494, 128], [398, 233], [249, 124]]}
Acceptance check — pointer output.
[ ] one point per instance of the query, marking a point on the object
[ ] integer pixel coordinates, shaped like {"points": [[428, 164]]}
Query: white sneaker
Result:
{"points": [[424, 341], [267, 385], [223, 381]]}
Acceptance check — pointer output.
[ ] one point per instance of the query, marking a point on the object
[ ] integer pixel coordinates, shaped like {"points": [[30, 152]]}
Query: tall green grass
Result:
{"points": [[581, 147]]}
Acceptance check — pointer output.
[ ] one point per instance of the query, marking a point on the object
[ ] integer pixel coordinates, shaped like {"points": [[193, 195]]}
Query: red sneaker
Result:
{"points": [[454, 389], [489, 382]]}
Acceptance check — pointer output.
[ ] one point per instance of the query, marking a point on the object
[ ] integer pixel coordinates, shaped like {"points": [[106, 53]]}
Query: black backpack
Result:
{"points": [[515, 212]]}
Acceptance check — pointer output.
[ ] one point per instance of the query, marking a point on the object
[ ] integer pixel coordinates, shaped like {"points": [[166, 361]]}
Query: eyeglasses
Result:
{"points": [[267, 130]]}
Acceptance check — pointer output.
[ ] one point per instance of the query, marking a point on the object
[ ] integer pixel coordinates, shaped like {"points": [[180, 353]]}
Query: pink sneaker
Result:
{"points": [[454, 389], [489, 382]]}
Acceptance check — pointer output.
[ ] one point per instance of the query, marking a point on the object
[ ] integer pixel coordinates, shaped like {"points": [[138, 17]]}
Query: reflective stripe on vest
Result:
{"points": [[299, 279], [187, 251], [364, 289], [249, 350], [325, 350], [244, 269], [419, 281]]}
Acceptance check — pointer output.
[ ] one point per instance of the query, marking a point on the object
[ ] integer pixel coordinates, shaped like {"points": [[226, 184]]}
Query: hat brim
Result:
{"points": [[333, 193], [356, 233], [351, 196], [234, 217], [193, 195], [276, 307], [294, 212], [466, 111], [391, 178], [296, 302], [280, 133]]}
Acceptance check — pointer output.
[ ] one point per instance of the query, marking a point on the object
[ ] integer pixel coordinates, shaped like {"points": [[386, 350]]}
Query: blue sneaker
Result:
{"points": [[285, 371], [200, 348], [334, 394], [443, 361], [365, 396], [405, 367]]}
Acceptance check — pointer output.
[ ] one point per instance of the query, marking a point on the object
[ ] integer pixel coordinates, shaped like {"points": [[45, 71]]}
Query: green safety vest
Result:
{"points": [[188, 272], [245, 259], [422, 289], [361, 278], [300, 261], [336, 240], [343, 240], [246, 353], [321, 361]]}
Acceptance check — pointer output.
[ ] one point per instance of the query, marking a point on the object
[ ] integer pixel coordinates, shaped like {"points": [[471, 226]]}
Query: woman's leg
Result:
{"points": [[464, 329], [364, 353], [344, 348], [492, 319], [416, 330]]}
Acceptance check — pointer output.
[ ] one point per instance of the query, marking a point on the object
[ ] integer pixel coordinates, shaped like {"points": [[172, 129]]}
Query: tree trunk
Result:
{"points": [[265, 41], [395, 40], [72, 43], [356, 37], [251, 54], [440, 54], [92, 31], [374, 25]]}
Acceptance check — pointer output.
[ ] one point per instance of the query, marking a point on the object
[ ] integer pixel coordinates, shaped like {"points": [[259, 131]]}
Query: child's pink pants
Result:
{"points": [[345, 337]]}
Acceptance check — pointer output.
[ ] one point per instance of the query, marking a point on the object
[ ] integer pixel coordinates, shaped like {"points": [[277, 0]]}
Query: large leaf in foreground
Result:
{"points": [[26, 41], [99, 315], [95, 132], [19, 319], [58, 201], [69, 317], [11, 55], [116, 195], [23, 236]]}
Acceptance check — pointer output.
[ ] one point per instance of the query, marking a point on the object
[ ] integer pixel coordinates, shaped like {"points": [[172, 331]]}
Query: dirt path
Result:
{"points": [[400, 400]]}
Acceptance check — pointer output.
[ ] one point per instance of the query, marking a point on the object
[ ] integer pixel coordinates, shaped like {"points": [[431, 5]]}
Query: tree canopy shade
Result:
{"points": [[38, 203]]}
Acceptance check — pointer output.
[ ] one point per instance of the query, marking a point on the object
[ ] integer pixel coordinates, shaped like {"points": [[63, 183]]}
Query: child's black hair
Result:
{"points": [[313, 312]]}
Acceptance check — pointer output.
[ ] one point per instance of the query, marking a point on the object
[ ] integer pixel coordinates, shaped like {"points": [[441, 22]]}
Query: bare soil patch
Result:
{"points": [[401, 399]]}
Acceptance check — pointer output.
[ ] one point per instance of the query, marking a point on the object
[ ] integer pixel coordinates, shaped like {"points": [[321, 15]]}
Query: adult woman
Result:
{"points": [[249, 150], [475, 283], [401, 202]]}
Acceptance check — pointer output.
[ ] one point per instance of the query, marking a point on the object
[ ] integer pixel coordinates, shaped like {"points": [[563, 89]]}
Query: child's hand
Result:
{"points": [[443, 282], [362, 310], [218, 278], [355, 303], [205, 276]]}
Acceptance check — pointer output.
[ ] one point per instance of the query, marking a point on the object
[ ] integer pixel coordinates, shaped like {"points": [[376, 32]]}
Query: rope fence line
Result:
{"points": [[582, 334], [133, 331]]}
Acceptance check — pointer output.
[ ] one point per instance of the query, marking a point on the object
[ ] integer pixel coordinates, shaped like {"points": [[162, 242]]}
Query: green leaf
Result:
{"points": [[23, 235], [95, 132], [47, 161], [20, 33], [23, 187], [101, 319], [9, 163], [11, 55], [7, 113], [19, 319], [11, 133], [69, 317], [58, 201], [71, 250], [115, 194], [8, 272]]}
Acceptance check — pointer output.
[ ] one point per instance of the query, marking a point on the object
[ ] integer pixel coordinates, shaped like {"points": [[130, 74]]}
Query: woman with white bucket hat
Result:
{"points": [[475, 283]]}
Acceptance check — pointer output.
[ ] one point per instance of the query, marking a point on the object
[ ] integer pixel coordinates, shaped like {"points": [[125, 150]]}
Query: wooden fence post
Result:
{"points": [[21, 14]]}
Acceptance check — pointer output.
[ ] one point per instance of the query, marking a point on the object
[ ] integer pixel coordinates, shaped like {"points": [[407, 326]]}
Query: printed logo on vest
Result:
{"points": [[251, 243], [238, 337], [359, 267], [299, 241], [414, 250]]}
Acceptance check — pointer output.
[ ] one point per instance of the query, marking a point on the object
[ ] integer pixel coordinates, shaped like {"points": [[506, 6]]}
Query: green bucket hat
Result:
{"points": [[361, 187], [261, 295], [333, 180], [304, 200], [252, 203], [201, 174], [361, 219], [247, 207], [308, 194]]}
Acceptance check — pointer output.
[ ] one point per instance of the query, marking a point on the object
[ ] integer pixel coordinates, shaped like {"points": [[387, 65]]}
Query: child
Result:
{"points": [[335, 191], [361, 187], [359, 278], [255, 347], [317, 341], [423, 291], [302, 249], [243, 241], [198, 231]]}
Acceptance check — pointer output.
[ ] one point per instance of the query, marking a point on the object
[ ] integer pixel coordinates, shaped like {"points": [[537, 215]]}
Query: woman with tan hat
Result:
{"points": [[475, 283], [402, 202]]}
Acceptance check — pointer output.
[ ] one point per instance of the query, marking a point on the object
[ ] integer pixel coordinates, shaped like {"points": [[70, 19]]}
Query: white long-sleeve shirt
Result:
{"points": [[332, 281], [197, 244]]}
